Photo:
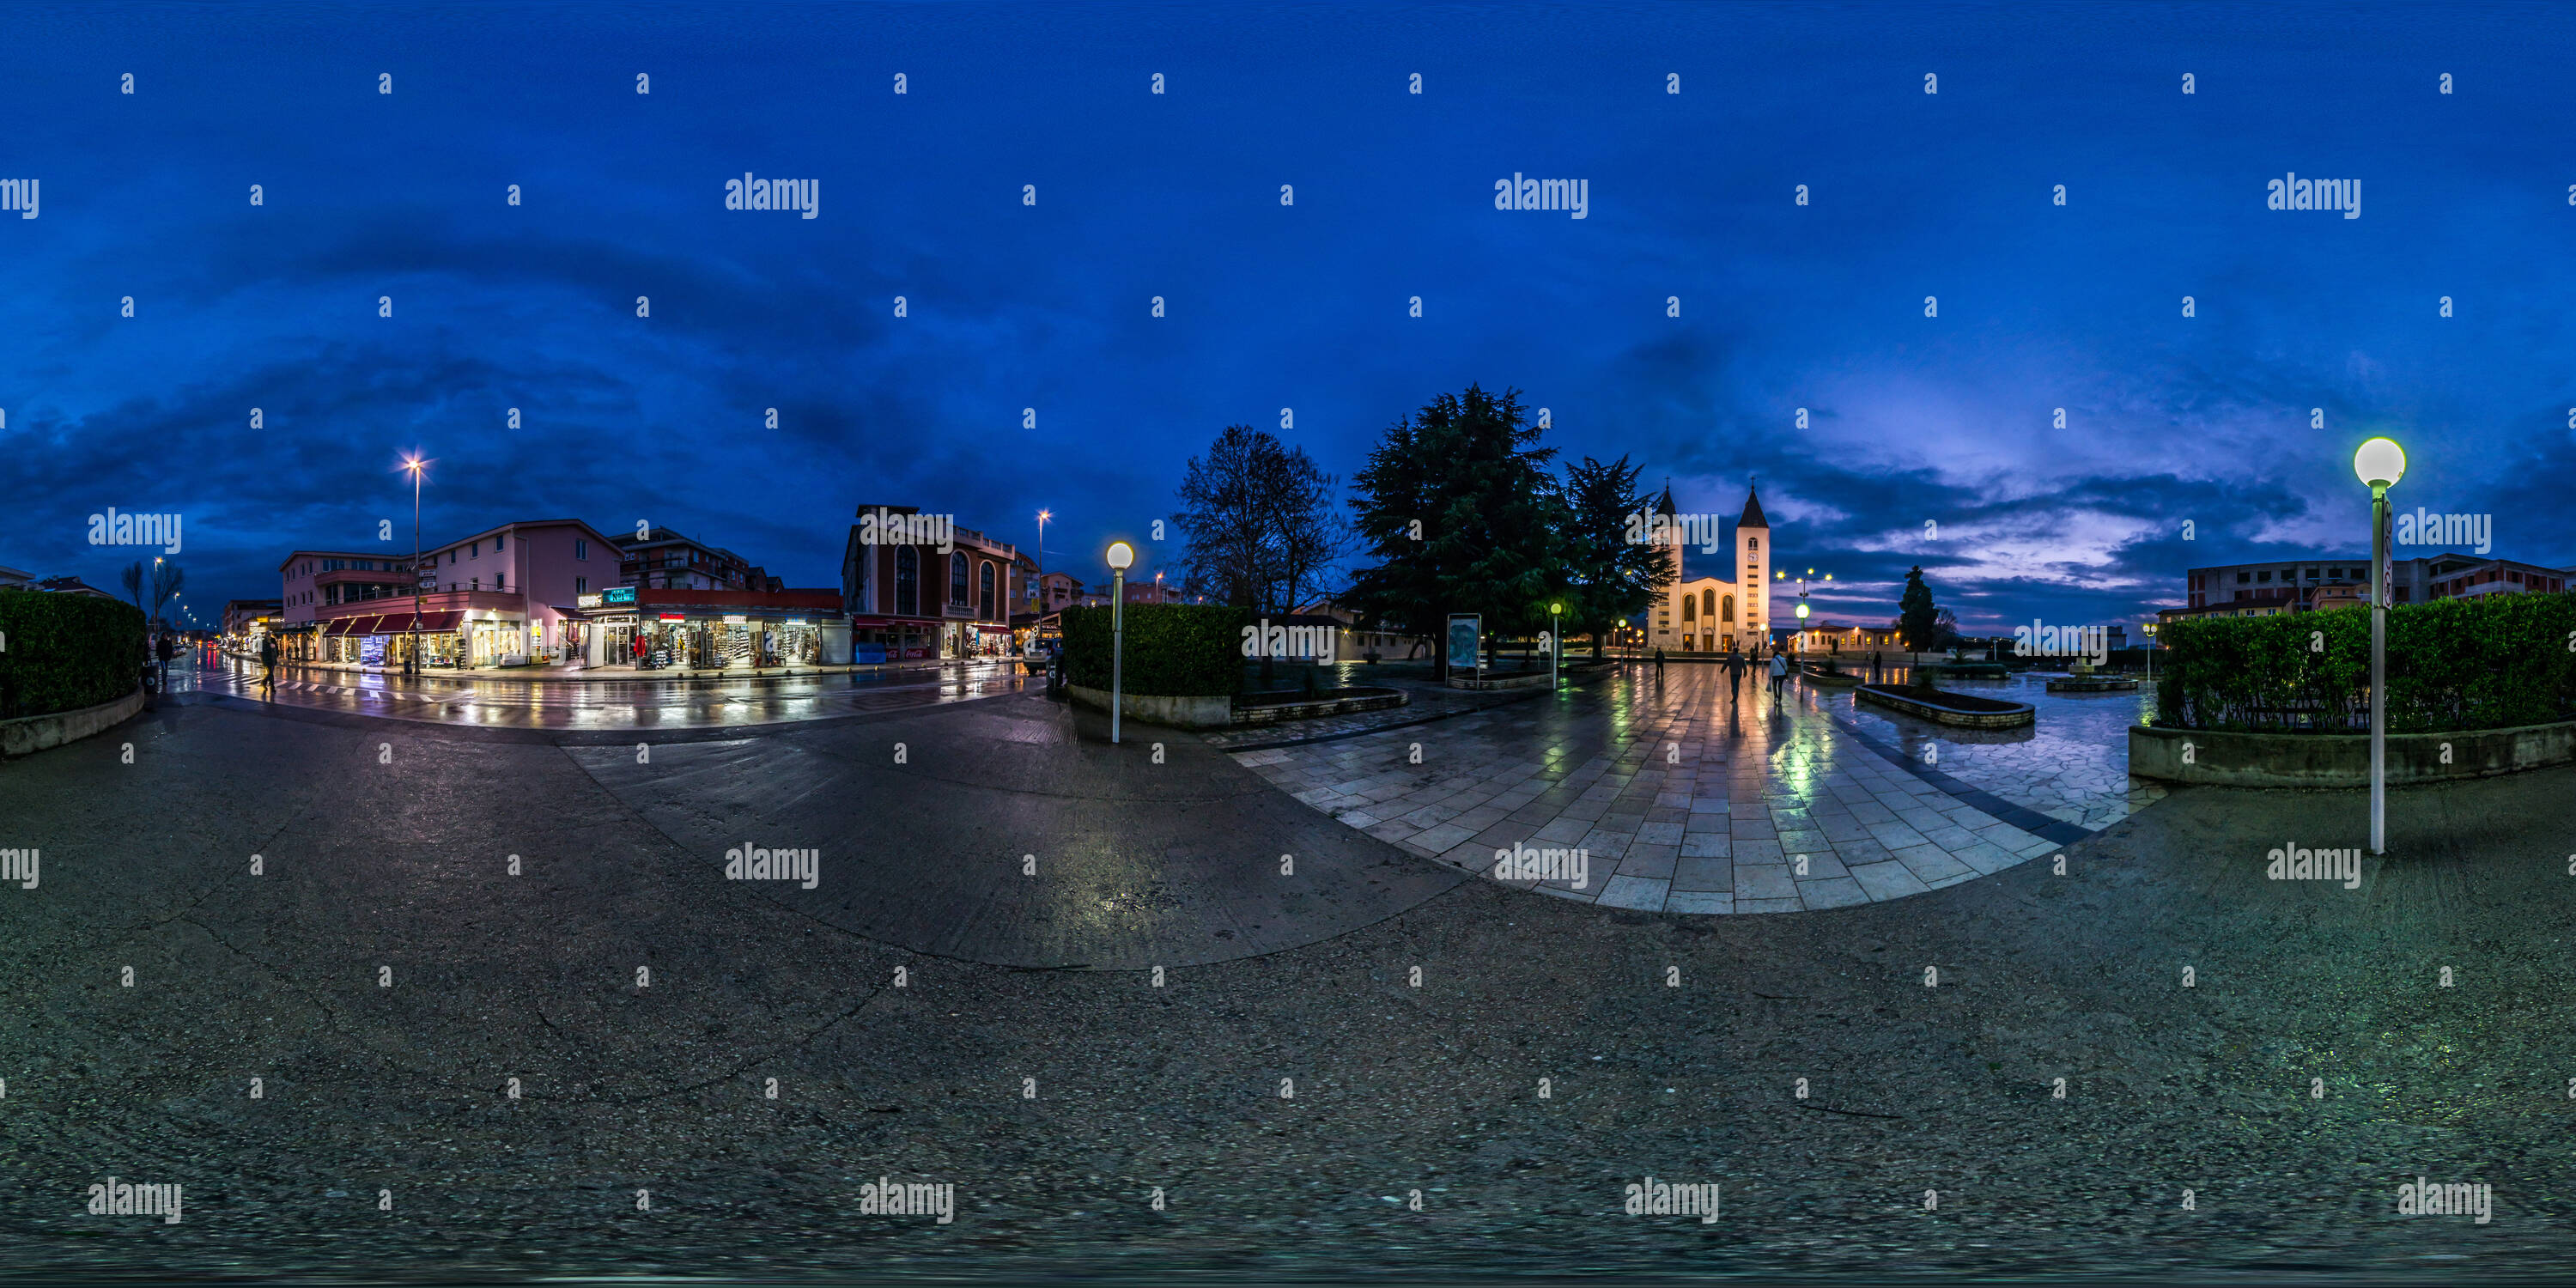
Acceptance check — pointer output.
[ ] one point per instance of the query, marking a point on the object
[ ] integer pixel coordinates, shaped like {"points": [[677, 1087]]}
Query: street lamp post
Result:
{"points": [[1120, 556], [2379, 463], [417, 466], [1555, 641]]}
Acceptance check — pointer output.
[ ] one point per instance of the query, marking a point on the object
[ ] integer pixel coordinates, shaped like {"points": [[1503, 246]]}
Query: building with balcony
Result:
{"points": [[504, 596], [665, 559]]}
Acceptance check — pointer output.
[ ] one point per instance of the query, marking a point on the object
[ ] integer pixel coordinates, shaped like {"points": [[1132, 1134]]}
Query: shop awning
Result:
{"points": [[344, 625], [870, 623], [433, 622]]}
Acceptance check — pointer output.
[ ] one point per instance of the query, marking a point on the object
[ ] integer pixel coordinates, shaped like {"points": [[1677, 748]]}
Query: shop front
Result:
{"points": [[702, 630]]}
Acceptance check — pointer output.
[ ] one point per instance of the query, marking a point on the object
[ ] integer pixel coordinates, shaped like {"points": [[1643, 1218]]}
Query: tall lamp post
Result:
{"points": [[1555, 640], [2379, 464], [416, 467], [1120, 556]]}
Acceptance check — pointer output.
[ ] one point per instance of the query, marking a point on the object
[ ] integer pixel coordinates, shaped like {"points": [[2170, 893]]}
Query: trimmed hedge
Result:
{"points": [[2485, 662], [66, 652], [1173, 650]]}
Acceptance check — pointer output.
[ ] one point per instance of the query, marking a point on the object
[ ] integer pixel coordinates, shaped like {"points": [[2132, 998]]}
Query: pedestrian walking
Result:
{"points": [[1734, 673], [1779, 673], [268, 661], [1659, 665]]}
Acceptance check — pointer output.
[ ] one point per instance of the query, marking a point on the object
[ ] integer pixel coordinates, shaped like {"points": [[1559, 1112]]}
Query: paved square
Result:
{"points": [[1693, 797]]}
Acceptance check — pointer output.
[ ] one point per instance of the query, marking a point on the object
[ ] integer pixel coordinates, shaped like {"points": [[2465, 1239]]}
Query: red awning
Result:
{"points": [[342, 625], [432, 622]]}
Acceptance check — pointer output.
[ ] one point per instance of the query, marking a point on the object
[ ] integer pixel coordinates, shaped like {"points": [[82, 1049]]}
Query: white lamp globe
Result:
{"points": [[1121, 555], [1802, 612], [2379, 463]]}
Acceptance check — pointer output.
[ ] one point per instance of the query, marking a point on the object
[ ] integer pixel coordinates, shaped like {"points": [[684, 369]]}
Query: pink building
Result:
{"points": [[502, 597]]}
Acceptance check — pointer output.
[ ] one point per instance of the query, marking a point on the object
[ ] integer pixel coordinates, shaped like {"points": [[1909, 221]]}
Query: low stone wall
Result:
{"points": [[2229, 759], [1171, 713], [1273, 712], [2022, 713], [36, 733], [1534, 680]]}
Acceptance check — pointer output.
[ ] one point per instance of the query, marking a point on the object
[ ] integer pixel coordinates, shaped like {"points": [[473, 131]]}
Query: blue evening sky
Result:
{"points": [[1912, 419]]}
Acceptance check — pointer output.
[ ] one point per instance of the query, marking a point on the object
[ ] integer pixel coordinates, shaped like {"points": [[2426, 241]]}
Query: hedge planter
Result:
{"points": [[1963, 710], [36, 733], [2229, 759]]}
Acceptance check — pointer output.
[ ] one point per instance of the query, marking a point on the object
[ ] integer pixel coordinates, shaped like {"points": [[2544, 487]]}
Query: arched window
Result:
{"points": [[1752, 544], [907, 581], [984, 593], [1690, 609], [1708, 604], [1727, 606], [957, 579]]}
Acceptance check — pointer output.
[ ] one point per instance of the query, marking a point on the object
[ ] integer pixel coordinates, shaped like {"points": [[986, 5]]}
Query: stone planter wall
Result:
{"points": [[36, 733], [1169, 712], [1274, 712], [2341, 759], [2022, 715]]}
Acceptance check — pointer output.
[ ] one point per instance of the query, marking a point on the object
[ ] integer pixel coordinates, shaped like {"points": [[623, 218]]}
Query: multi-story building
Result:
{"points": [[68, 585], [918, 600], [12, 579], [246, 622], [2307, 585], [665, 559], [315, 580], [504, 596]]}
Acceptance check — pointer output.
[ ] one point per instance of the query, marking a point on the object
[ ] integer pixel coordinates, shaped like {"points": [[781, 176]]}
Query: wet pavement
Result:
{"points": [[674, 702], [1696, 795], [509, 1017]]}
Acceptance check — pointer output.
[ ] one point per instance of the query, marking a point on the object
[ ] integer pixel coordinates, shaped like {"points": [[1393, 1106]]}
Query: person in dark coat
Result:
{"points": [[268, 660]]}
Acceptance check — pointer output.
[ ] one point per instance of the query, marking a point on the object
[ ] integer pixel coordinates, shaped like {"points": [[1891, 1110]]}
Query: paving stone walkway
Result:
{"points": [[1691, 797]]}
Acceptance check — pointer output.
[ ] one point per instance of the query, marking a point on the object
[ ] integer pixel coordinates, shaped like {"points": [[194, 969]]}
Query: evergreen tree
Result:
{"points": [[1462, 515], [1917, 619], [1610, 578]]}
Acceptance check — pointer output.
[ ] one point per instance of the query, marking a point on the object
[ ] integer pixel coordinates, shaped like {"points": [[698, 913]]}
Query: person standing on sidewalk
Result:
{"points": [[1779, 673], [268, 661], [1734, 674], [1659, 664]]}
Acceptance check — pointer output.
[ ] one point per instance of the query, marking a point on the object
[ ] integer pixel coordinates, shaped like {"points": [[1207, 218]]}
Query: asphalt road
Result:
{"points": [[1058, 1089]]}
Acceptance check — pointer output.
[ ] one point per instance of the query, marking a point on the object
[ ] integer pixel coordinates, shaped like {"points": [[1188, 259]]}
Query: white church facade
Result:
{"points": [[1722, 608]]}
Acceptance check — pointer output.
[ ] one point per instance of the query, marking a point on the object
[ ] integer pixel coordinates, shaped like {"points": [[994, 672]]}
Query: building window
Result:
{"points": [[1708, 603], [581, 585], [984, 593], [1690, 609], [1752, 544], [581, 548], [500, 581], [2265, 575], [2244, 577], [476, 584], [1727, 607], [957, 579], [907, 581]]}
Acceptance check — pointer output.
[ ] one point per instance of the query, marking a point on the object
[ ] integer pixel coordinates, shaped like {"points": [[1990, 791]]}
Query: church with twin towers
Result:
{"points": [[1727, 605]]}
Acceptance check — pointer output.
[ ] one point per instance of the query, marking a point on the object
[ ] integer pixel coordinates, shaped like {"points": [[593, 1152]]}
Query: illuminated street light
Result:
{"points": [[417, 467], [1120, 556], [1555, 640], [2379, 463]]}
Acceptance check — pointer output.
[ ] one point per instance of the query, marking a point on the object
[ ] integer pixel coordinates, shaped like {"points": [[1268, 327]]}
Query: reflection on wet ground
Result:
{"points": [[490, 701]]}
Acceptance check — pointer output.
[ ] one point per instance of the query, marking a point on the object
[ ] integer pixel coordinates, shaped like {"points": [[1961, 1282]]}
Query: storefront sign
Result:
{"points": [[586, 601], [618, 595], [675, 617]]}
